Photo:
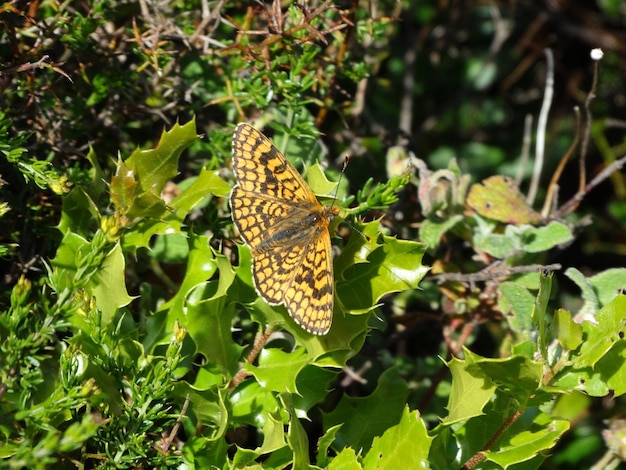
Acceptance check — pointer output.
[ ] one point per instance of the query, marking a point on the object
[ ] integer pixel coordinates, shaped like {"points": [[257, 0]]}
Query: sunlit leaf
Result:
{"points": [[499, 198], [405, 445]]}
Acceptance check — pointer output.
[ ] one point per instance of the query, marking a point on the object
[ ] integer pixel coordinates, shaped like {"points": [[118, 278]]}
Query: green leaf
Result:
{"points": [[202, 264], [97, 187], [539, 315], [518, 375], [453, 446], [108, 285], [540, 239], [364, 418], [171, 248], [431, 231], [571, 406], [585, 378], [209, 318], [273, 434], [199, 305], [296, 436], [313, 384], [499, 245], [599, 366], [209, 409], [65, 259], [324, 444], [521, 237], [123, 187], [600, 338], [470, 392], [79, 214], [252, 404], [206, 184], [522, 442], [149, 170], [592, 303], [568, 334], [516, 303], [155, 167], [210, 325], [394, 267], [318, 181], [607, 284], [277, 370], [405, 445], [345, 460], [613, 367]]}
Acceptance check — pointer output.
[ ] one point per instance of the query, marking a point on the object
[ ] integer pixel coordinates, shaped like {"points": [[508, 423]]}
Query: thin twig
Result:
{"points": [[166, 443], [480, 455], [527, 140], [549, 202], [542, 123], [486, 275], [600, 177], [259, 342], [588, 118]]}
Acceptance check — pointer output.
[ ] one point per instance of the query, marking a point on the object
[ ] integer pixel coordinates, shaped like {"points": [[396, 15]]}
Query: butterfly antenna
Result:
{"points": [[346, 221], [343, 170]]}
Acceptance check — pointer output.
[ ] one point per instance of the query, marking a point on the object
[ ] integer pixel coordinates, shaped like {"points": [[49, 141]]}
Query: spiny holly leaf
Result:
{"points": [[525, 440], [202, 264], [345, 460], [470, 392], [393, 267], [79, 214], [143, 175], [313, 384], [274, 439], [251, 404], [518, 375], [324, 444], [321, 185], [277, 370], [209, 316], [206, 184], [405, 445], [296, 435], [155, 167], [364, 418]]}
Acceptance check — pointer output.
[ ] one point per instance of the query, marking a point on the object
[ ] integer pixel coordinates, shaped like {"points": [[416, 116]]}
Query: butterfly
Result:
{"points": [[286, 228]]}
